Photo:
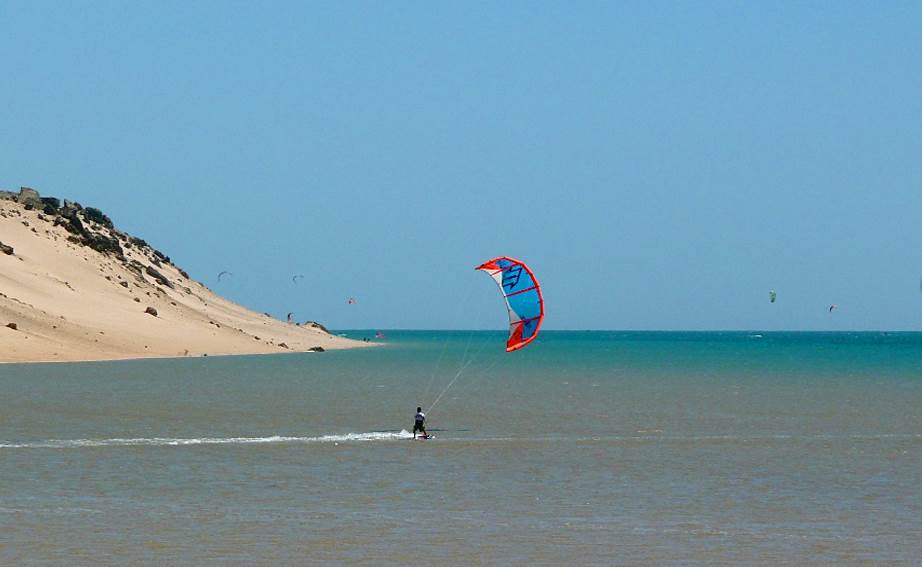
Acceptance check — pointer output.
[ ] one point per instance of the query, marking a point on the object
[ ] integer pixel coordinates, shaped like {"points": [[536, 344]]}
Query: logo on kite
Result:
{"points": [[522, 293], [511, 277]]}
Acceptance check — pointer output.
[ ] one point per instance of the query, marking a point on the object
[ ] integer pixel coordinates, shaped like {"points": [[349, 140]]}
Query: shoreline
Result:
{"points": [[172, 357]]}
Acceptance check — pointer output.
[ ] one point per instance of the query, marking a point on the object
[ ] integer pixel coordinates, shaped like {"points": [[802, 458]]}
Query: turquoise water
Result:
{"points": [[584, 448]]}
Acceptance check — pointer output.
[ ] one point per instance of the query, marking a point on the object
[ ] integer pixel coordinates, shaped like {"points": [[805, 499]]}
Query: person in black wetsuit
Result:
{"points": [[419, 423]]}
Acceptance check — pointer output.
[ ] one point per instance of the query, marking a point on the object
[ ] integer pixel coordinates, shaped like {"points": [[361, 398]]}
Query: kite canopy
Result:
{"points": [[523, 298]]}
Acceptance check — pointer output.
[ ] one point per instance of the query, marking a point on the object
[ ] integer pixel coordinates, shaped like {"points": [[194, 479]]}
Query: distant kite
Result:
{"points": [[351, 301], [294, 279], [379, 335], [224, 274], [833, 307], [772, 296], [289, 316]]}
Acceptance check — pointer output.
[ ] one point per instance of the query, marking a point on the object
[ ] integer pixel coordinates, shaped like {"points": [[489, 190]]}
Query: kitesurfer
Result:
{"points": [[419, 423]]}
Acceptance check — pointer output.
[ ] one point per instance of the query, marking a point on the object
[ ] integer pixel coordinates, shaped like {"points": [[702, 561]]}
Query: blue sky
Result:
{"points": [[659, 165]]}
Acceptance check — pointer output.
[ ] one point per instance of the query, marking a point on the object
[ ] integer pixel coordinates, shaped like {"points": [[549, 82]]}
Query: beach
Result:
{"points": [[95, 293], [595, 448]]}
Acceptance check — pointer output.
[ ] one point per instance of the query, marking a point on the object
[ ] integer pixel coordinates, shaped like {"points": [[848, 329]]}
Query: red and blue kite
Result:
{"points": [[523, 298]]}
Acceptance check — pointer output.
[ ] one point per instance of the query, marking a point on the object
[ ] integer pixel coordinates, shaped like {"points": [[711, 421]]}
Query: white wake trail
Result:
{"points": [[180, 442]]}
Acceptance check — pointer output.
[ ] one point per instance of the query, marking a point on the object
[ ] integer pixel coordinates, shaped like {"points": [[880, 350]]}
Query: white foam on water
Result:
{"points": [[175, 442]]}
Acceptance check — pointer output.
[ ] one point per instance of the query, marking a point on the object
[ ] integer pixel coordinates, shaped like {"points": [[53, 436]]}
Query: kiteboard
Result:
{"points": [[424, 437]]}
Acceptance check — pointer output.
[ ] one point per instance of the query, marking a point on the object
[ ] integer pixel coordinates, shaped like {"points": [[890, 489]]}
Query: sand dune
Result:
{"points": [[76, 288]]}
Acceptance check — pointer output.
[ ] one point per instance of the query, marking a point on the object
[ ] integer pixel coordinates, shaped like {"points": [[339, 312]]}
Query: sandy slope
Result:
{"points": [[69, 302]]}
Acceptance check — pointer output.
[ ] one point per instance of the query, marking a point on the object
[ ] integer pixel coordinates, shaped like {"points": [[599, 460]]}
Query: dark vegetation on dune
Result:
{"points": [[90, 227]]}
